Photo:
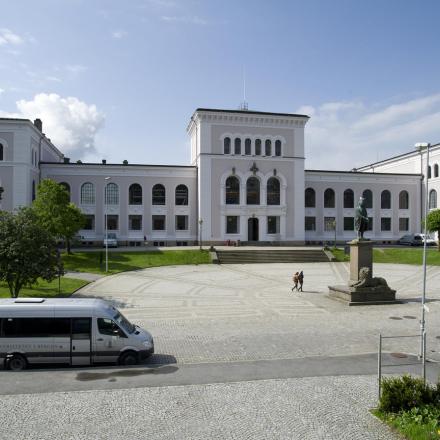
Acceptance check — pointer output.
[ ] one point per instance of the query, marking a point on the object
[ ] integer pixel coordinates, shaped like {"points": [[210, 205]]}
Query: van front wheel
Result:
{"points": [[17, 362], [129, 358]]}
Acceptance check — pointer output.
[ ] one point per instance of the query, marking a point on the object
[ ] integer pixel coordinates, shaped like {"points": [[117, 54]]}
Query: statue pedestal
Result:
{"points": [[362, 288]]}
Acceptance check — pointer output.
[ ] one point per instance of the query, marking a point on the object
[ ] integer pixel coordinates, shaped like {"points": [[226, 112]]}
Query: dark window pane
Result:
{"points": [[348, 198], [310, 224], [258, 147], [81, 327], [329, 224], [90, 222], [310, 198], [232, 191], [368, 196], [403, 224], [112, 222], [109, 327], [227, 146], [135, 222], [370, 224], [158, 194], [158, 223], [385, 224], [329, 198], [237, 146], [232, 224], [268, 147], [348, 223], [433, 199], [403, 200], [247, 147], [385, 200], [253, 191], [273, 225], [135, 194], [277, 148], [181, 195], [273, 191], [61, 327], [181, 222]]}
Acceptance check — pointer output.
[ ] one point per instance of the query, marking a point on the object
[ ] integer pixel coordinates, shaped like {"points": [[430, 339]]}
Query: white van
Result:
{"points": [[70, 331]]}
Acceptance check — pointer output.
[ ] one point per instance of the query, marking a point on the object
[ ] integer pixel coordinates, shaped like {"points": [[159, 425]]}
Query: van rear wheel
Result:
{"points": [[17, 362], [129, 358]]}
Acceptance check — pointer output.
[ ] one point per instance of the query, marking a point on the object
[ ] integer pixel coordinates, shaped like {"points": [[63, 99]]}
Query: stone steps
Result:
{"points": [[271, 256]]}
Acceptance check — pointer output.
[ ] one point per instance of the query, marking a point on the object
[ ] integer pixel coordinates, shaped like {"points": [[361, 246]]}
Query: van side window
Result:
{"points": [[61, 327], [108, 327], [81, 328], [26, 327]]}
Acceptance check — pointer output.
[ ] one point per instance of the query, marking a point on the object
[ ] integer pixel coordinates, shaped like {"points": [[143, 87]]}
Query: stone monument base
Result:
{"points": [[362, 296]]}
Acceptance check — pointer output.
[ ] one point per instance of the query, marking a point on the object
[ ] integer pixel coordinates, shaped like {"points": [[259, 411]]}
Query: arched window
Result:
{"points": [[403, 200], [247, 147], [135, 194], [310, 198], [1, 151], [33, 190], [227, 145], [385, 200], [158, 193], [436, 170], [257, 147], [111, 194], [268, 147], [348, 198], [433, 199], [273, 191], [429, 172], [181, 195], [329, 198], [368, 196], [253, 191], [87, 194], [232, 191], [66, 186], [237, 146], [278, 148]]}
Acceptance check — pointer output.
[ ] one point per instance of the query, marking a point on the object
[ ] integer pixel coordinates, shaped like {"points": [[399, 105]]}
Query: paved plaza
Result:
{"points": [[238, 355]]}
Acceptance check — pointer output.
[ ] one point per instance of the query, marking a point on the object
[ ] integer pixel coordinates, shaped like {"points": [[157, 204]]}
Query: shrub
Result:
{"points": [[406, 392]]}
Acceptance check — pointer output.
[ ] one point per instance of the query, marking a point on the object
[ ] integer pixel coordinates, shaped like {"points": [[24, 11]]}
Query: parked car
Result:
{"points": [[111, 240], [417, 240]]}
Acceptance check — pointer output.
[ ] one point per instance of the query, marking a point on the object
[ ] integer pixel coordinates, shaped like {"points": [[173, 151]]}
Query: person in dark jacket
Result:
{"points": [[300, 281]]}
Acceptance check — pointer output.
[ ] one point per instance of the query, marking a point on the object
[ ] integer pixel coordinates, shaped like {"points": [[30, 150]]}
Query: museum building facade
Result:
{"points": [[246, 183]]}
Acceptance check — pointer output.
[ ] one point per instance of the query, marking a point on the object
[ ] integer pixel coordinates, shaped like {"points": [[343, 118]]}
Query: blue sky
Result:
{"points": [[120, 80]]}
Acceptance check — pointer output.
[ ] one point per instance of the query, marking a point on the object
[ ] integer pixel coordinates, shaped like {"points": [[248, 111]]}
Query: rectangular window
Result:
{"points": [[329, 224], [403, 224], [112, 222], [135, 222], [90, 222], [158, 223], [385, 224], [370, 224], [273, 225], [181, 222], [310, 223], [348, 223], [232, 224]]}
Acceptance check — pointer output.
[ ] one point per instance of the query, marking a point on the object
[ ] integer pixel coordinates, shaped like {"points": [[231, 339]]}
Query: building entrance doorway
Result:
{"points": [[252, 229]]}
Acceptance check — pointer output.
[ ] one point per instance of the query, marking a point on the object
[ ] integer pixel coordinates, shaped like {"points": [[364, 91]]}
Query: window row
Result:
{"points": [[349, 202], [232, 195], [436, 174], [111, 192], [135, 222], [233, 224], [330, 224], [234, 146]]}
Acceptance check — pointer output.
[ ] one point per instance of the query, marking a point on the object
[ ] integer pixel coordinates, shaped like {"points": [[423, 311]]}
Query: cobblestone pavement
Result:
{"points": [[212, 313], [323, 408]]}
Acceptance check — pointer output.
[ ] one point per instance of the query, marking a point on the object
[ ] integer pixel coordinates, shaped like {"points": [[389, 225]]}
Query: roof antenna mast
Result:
{"points": [[244, 104]]}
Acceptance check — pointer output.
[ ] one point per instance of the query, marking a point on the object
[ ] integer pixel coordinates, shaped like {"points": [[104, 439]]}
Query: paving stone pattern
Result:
{"points": [[324, 408]]}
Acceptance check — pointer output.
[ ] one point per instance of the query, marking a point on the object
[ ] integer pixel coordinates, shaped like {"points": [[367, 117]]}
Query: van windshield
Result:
{"points": [[122, 321]]}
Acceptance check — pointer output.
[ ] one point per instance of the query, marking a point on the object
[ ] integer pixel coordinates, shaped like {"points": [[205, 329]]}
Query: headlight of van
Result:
{"points": [[146, 343]]}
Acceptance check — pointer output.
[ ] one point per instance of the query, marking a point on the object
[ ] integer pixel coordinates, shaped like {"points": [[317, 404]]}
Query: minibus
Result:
{"points": [[73, 331]]}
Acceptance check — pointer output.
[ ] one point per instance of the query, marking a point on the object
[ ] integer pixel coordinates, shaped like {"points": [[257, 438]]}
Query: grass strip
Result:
{"points": [[94, 262]]}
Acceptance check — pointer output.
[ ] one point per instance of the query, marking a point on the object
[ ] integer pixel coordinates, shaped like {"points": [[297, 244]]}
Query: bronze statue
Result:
{"points": [[361, 219]]}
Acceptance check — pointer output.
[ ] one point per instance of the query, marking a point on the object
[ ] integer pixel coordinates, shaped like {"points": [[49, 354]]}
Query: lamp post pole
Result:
{"points": [[200, 233], [420, 147], [105, 220]]}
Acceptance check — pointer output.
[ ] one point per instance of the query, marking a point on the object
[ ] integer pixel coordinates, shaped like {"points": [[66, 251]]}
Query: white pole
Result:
{"points": [[106, 179]]}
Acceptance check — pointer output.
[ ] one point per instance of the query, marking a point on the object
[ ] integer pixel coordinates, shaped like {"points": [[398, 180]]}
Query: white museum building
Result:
{"points": [[246, 182]]}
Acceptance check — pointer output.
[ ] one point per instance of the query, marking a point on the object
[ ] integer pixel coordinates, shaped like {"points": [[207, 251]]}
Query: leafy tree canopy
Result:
{"points": [[55, 212], [27, 251], [433, 223]]}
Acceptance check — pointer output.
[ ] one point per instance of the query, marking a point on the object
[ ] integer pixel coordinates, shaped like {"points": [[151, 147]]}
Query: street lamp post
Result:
{"points": [[200, 233], [420, 147], [105, 220]]}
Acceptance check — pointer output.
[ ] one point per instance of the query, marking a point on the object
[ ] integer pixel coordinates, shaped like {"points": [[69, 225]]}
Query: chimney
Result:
{"points": [[104, 161], [38, 124], [67, 160]]}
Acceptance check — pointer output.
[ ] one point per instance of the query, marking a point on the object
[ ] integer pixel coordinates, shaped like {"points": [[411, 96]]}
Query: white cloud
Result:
{"points": [[117, 35], [2, 91], [343, 135], [71, 124], [7, 37], [185, 19]]}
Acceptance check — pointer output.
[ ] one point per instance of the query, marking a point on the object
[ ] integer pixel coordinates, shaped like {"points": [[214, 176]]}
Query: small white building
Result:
{"points": [[246, 182]]}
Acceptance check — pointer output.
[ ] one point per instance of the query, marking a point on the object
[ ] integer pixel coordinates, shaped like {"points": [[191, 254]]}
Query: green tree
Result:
{"points": [[55, 212], [433, 224], [27, 250]]}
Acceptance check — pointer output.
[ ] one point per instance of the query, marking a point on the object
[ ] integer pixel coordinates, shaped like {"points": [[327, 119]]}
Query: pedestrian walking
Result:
{"points": [[295, 280], [301, 281]]}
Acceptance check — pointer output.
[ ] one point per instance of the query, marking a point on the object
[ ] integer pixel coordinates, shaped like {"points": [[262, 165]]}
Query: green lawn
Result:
{"points": [[45, 289], [397, 255], [94, 262]]}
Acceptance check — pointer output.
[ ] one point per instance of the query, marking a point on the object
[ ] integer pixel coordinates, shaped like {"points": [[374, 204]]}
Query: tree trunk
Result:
{"points": [[68, 246]]}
